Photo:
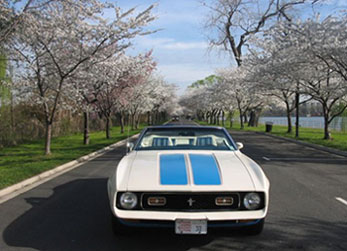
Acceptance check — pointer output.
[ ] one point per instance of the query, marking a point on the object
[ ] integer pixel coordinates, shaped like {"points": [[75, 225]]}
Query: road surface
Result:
{"points": [[308, 207]]}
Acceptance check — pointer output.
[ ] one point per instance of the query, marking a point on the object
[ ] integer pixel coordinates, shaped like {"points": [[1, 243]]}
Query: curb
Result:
{"points": [[26, 185], [314, 146]]}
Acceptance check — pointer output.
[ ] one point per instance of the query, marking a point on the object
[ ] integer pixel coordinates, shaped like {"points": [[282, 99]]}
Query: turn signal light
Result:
{"points": [[224, 201], [156, 201]]}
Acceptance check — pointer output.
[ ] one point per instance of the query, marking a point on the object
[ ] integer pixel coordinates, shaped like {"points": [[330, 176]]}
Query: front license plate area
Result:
{"points": [[191, 226]]}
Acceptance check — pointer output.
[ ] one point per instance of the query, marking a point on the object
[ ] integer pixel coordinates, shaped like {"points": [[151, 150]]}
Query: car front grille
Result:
{"points": [[191, 201]]}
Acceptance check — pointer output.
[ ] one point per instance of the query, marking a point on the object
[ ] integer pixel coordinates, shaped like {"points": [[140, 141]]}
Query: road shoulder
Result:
{"points": [[314, 146]]}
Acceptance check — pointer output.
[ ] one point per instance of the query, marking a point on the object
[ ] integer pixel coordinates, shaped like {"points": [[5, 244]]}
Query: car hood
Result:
{"points": [[188, 171]]}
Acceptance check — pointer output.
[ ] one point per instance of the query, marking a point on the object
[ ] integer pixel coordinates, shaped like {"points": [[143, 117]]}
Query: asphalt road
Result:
{"points": [[71, 212]]}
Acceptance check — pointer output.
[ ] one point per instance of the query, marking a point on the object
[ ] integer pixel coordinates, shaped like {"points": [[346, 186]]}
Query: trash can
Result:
{"points": [[268, 126]]}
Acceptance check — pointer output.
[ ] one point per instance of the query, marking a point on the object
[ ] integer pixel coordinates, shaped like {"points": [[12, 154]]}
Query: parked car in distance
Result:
{"points": [[175, 118]]}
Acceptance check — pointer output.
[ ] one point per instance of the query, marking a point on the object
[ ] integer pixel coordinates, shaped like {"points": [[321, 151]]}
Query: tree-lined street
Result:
{"points": [[77, 75], [71, 212]]}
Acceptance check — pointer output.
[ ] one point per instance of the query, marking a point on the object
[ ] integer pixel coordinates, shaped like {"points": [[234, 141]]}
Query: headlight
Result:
{"points": [[128, 200], [252, 201]]}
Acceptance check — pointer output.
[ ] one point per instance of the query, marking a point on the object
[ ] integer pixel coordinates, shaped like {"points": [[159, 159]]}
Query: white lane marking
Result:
{"points": [[266, 158], [341, 200]]}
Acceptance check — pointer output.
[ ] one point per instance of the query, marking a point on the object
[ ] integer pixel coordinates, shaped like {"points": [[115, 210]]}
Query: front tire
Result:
{"points": [[255, 229], [117, 227]]}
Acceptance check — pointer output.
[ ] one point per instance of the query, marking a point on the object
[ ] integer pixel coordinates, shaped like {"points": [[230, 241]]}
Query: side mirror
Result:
{"points": [[239, 145], [130, 146]]}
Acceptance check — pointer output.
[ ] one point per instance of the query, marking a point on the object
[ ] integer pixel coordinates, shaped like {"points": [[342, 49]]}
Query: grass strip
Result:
{"points": [[310, 135], [27, 160]]}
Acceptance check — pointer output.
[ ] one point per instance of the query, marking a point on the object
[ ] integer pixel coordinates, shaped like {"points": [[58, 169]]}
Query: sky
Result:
{"points": [[180, 46]]}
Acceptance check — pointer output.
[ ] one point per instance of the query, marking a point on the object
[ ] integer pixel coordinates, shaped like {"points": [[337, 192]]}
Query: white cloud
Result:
{"points": [[185, 45], [150, 42], [170, 44]]}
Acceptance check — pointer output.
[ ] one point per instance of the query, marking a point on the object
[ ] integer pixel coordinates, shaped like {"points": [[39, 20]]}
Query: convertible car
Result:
{"points": [[190, 179]]}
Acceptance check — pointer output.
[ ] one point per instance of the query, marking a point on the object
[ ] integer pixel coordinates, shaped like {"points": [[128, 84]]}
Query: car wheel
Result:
{"points": [[117, 227], [255, 229]]}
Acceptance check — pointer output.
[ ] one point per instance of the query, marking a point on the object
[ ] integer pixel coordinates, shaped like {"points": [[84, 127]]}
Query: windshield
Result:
{"points": [[185, 139]]}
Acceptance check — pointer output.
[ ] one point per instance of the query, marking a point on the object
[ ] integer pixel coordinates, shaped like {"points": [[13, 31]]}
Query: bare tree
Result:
{"points": [[232, 22]]}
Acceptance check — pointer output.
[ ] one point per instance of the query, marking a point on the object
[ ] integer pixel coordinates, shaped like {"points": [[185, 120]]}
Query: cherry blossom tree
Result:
{"points": [[231, 24], [13, 12], [135, 99], [274, 66], [246, 94], [10, 18], [119, 79], [60, 38], [193, 101], [204, 98], [161, 99], [296, 57], [330, 42]]}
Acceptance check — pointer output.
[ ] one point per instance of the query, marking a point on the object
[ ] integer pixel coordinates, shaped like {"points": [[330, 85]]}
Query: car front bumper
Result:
{"points": [[171, 224], [172, 216]]}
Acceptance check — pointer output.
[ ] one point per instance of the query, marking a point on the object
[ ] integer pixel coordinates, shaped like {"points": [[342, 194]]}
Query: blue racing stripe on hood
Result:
{"points": [[205, 169], [173, 169]]}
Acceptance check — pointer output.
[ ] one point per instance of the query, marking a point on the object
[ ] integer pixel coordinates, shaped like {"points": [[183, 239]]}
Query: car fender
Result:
{"points": [[119, 179], [260, 180]]}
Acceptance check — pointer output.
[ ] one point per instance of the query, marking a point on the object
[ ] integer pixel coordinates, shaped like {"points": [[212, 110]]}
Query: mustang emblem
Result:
{"points": [[190, 202]]}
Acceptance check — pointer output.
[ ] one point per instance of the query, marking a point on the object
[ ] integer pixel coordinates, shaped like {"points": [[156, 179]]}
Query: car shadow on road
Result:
{"points": [[76, 217]]}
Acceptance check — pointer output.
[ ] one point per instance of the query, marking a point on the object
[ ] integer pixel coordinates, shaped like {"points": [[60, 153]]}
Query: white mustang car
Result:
{"points": [[189, 178]]}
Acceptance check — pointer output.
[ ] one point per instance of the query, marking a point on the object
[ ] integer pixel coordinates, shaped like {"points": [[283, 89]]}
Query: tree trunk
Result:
{"points": [[132, 121], [48, 138], [86, 128], [254, 117], [148, 118], [245, 117], [297, 102], [241, 119], [200, 115], [223, 124], [215, 114], [231, 115], [152, 118], [137, 124], [12, 118], [257, 116], [326, 123], [326, 130], [251, 121], [108, 122], [121, 122], [156, 115], [289, 118]]}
